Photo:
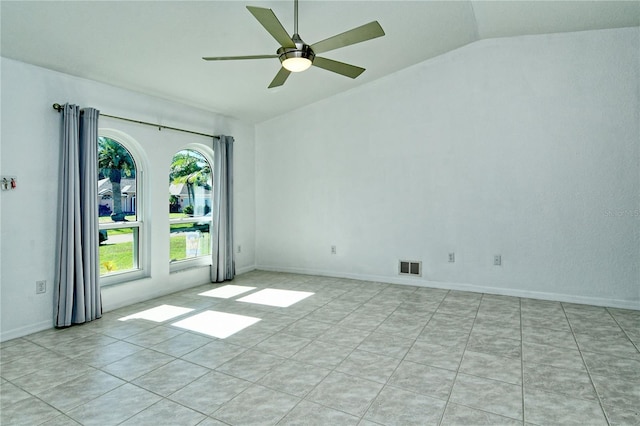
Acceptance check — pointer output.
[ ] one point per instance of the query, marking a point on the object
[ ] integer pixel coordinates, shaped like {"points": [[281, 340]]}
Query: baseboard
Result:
{"points": [[245, 269], [45, 325], [530, 294], [557, 297], [26, 330]]}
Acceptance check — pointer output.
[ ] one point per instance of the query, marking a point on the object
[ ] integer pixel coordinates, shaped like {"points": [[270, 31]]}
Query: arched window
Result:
{"points": [[119, 209], [190, 186]]}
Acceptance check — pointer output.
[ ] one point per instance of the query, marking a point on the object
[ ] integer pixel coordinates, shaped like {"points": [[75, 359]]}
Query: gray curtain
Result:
{"points": [[223, 267], [77, 290]]}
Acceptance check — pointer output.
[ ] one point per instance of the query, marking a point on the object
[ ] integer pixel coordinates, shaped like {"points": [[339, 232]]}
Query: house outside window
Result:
{"points": [[190, 203], [119, 211]]}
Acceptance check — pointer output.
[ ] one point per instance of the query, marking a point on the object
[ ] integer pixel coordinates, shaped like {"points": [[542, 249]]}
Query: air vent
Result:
{"points": [[410, 267]]}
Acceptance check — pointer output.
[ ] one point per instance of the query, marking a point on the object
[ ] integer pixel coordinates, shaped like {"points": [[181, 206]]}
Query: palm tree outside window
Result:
{"points": [[119, 219], [190, 186]]}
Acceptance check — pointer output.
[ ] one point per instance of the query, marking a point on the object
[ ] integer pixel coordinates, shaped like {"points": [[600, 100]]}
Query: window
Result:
{"points": [[190, 185], [120, 220]]}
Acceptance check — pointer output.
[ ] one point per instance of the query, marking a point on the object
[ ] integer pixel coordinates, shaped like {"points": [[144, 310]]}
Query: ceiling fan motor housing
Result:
{"points": [[301, 50]]}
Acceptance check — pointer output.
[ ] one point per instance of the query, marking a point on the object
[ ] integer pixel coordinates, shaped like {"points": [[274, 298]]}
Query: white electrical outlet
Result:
{"points": [[333, 250], [497, 260], [452, 257], [239, 248], [41, 287]]}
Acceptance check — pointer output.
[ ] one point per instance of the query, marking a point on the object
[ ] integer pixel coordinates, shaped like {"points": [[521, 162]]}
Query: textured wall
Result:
{"points": [[526, 147]]}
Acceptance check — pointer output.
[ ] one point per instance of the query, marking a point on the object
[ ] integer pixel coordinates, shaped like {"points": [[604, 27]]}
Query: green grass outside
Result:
{"points": [[115, 257], [178, 245], [119, 257]]}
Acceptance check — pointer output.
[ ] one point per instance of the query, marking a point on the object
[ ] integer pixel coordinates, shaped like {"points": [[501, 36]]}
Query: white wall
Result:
{"points": [[526, 147], [30, 150]]}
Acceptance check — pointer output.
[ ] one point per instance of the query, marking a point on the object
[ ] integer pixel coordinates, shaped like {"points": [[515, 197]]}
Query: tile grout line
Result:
{"points": [[401, 359], [524, 417], [162, 397], [586, 367], [65, 413], [99, 332], [455, 378], [303, 398], [623, 330], [491, 379], [31, 395], [255, 383], [333, 369]]}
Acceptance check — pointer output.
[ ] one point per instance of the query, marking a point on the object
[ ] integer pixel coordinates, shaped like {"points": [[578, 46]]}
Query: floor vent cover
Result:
{"points": [[410, 267]]}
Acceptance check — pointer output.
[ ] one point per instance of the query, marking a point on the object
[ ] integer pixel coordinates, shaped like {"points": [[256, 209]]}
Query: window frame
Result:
{"points": [[200, 261], [141, 249]]}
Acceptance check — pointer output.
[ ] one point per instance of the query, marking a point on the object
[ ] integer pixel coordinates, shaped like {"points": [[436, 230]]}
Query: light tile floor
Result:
{"points": [[353, 353]]}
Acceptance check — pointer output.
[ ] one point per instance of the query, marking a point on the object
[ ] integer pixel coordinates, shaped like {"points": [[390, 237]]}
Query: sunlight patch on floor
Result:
{"points": [[159, 313], [227, 291], [216, 324], [274, 297]]}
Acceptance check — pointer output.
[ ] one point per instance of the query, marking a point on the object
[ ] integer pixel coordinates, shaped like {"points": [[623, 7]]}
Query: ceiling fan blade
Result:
{"points": [[338, 67], [233, 58], [347, 38], [280, 78], [268, 19]]}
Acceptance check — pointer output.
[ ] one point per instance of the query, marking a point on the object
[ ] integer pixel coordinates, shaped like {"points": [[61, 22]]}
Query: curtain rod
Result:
{"points": [[59, 108]]}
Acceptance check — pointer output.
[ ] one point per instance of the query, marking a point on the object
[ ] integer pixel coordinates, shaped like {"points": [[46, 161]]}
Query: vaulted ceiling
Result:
{"points": [[155, 47]]}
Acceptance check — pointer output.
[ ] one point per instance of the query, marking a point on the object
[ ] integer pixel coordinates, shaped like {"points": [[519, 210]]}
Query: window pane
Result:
{"points": [[116, 182], [189, 185], [118, 250], [189, 206], [189, 240], [117, 187]]}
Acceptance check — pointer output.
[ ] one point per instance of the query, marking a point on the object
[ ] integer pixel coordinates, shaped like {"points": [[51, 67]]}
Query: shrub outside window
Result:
{"points": [[190, 186]]}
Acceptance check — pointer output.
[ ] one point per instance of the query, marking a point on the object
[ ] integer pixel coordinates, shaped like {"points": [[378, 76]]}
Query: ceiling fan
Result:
{"points": [[295, 55]]}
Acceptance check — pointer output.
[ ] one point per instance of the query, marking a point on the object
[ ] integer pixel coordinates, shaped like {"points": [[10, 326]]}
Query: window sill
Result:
{"points": [[190, 264], [122, 277]]}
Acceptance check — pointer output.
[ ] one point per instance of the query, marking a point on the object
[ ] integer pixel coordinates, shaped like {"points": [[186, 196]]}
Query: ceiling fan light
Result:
{"points": [[296, 64], [298, 59]]}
